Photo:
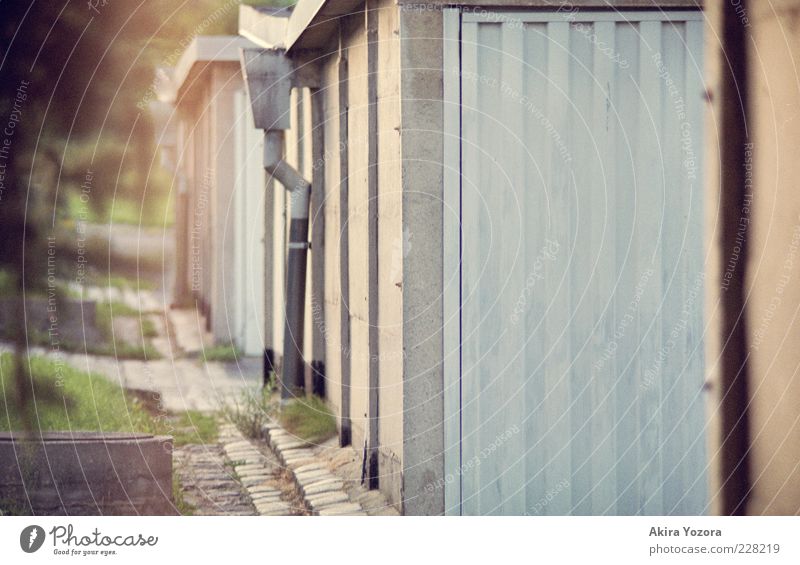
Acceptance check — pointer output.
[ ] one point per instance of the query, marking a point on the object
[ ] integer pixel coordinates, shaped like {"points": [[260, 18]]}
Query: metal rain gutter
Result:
{"points": [[269, 77]]}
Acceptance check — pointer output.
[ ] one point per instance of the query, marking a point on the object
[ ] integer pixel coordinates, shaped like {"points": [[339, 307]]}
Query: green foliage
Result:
{"points": [[85, 402], [251, 411], [91, 402], [183, 507], [6, 283], [122, 282], [149, 329], [309, 419], [117, 346], [194, 427], [223, 353]]}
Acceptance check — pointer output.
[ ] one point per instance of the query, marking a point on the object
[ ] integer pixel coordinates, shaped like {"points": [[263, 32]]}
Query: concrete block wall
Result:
{"points": [[753, 274], [225, 81], [775, 264], [394, 245], [422, 157], [215, 243], [346, 69], [358, 219], [332, 302]]}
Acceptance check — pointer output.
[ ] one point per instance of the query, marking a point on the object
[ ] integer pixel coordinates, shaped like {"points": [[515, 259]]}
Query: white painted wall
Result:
{"points": [[248, 318]]}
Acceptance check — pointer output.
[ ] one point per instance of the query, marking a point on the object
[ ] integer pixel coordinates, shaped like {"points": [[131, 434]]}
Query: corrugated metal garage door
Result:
{"points": [[580, 386]]}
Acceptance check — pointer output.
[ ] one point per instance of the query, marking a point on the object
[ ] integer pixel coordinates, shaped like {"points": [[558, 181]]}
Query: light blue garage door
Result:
{"points": [[574, 375]]}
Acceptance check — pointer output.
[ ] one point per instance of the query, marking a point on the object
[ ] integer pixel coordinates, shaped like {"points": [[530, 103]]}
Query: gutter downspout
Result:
{"points": [[269, 77], [299, 189]]}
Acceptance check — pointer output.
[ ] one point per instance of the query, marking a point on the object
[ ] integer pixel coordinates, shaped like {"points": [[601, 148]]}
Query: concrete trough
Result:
{"points": [[86, 474]]}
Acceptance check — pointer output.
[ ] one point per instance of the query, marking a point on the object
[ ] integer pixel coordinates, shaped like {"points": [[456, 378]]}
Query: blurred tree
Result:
{"points": [[73, 76]]}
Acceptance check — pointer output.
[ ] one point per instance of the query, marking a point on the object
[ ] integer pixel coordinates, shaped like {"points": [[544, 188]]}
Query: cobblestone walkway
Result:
{"points": [[234, 475], [209, 484]]}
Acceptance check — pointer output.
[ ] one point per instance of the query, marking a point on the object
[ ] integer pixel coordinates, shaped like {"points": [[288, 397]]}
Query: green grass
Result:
{"points": [[142, 349], [7, 286], [80, 401], [122, 282], [149, 328], [194, 427], [309, 419], [184, 508], [250, 411], [222, 353], [122, 350], [156, 213], [90, 402], [106, 311]]}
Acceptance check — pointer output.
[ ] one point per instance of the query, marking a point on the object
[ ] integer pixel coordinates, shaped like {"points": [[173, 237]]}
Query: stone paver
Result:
{"points": [[345, 464], [323, 492], [208, 484], [344, 509], [329, 485], [259, 473], [189, 329]]}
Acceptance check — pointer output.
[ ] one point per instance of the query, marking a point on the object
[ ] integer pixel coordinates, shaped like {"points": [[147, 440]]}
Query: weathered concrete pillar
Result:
{"points": [[422, 153]]}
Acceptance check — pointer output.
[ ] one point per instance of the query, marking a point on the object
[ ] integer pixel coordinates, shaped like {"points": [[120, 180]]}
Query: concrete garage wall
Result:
{"points": [[332, 311], [358, 220], [774, 331], [421, 126], [753, 238], [249, 195], [393, 246], [714, 258], [219, 197], [347, 58], [333, 237], [225, 81]]}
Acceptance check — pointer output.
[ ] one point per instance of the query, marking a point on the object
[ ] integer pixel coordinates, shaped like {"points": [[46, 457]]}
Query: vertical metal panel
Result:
{"points": [[451, 256], [581, 367], [535, 203], [603, 244], [471, 272], [510, 449], [583, 263], [557, 433], [693, 460]]}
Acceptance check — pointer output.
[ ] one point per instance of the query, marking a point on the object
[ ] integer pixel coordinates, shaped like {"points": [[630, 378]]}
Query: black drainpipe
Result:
{"points": [[299, 189]]}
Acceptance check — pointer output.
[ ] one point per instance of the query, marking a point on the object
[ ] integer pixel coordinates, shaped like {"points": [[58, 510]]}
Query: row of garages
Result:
{"points": [[515, 291]]}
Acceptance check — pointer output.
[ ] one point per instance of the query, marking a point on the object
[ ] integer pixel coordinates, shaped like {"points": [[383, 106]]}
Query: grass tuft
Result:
{"points": [[309, 419], [250, 411], [222, 353], [181, 504]]}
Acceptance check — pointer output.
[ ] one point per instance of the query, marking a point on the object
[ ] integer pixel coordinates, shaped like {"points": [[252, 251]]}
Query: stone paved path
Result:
{"points": [[209, 484], [233, 476]]}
